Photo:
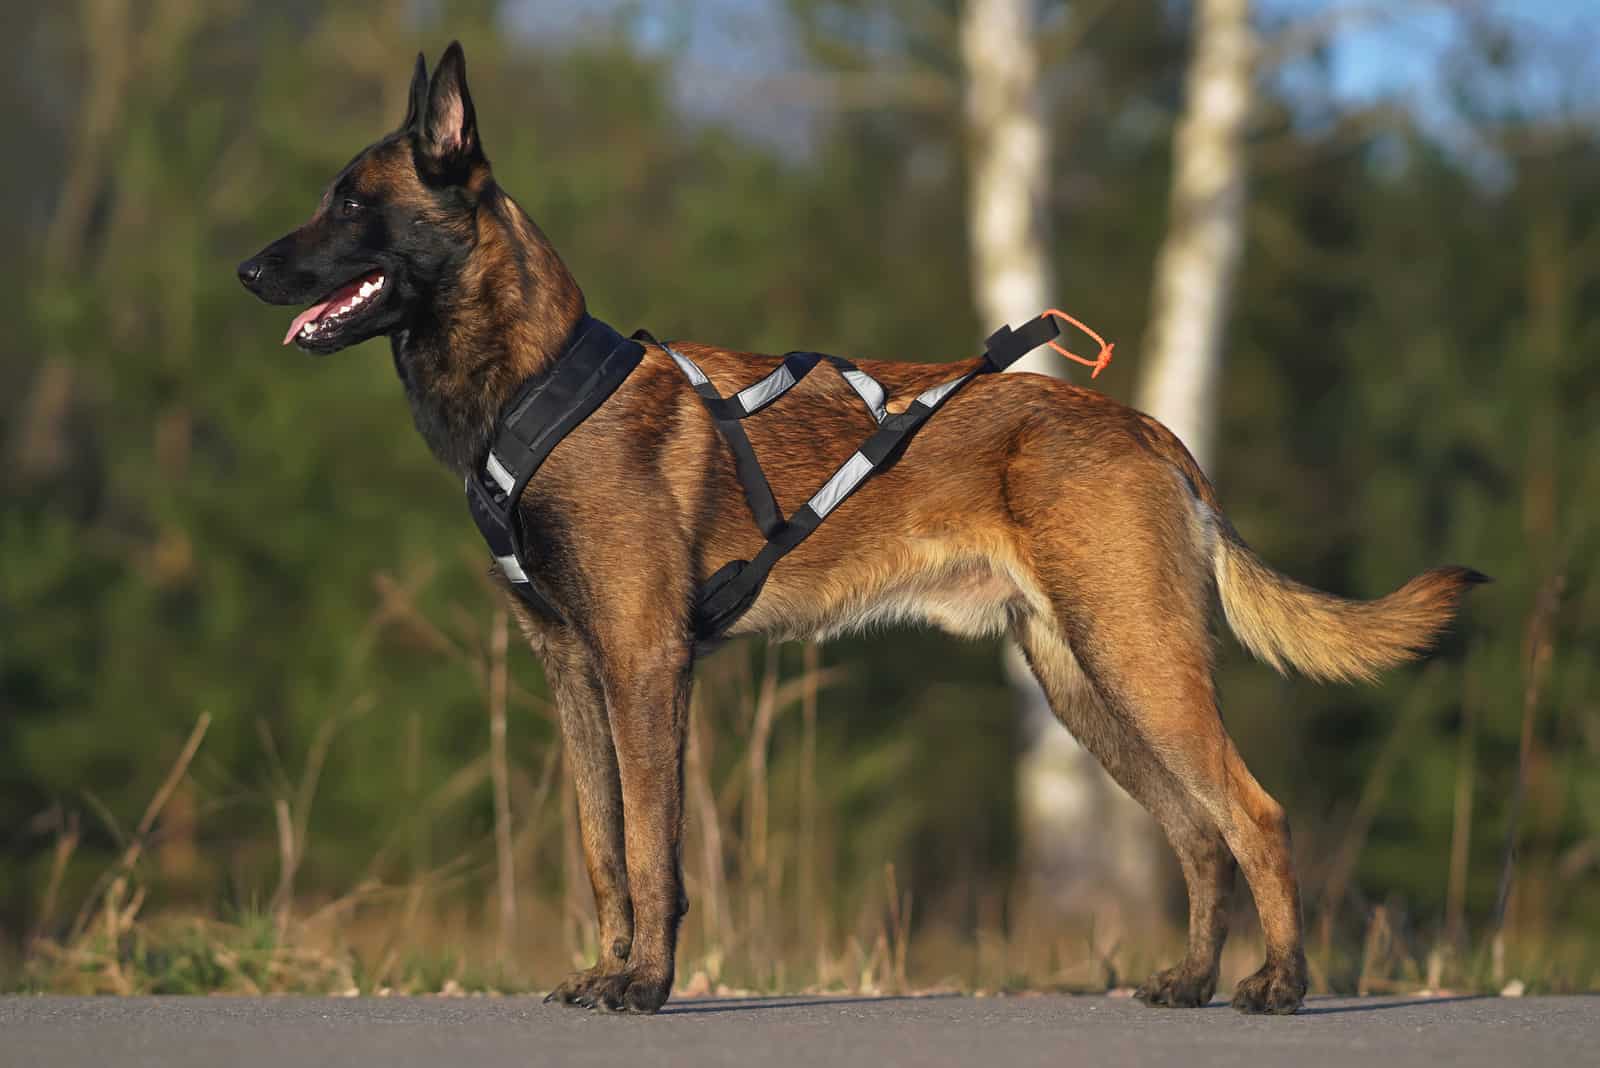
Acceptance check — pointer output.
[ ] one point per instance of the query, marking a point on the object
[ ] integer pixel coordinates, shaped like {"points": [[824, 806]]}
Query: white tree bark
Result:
{"points": [[1205, 235], [1086, 847], [1008, 150]]}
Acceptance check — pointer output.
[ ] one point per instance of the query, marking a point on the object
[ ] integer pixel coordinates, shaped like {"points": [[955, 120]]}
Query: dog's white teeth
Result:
{"points": [[368, 288]]}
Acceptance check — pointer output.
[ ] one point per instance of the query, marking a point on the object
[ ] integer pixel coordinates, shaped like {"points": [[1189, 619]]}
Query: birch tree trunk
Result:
{"points": [[1008, 152], [1086, 847], [1205, 234]]}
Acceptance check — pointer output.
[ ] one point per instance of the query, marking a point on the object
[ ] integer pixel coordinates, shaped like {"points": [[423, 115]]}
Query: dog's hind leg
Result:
{"points": [[1207, 865], [1136, 606], [1173, 708], [580, 701], [1148, 654]]}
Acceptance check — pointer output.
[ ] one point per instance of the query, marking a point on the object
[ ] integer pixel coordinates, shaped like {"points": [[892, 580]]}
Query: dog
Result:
{"points": [[1026, 507]]}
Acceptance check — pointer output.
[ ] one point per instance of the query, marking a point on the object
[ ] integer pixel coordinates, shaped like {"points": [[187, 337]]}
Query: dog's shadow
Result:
{"points": [[1311, 1008], [747, 1004], [777, 1002]]}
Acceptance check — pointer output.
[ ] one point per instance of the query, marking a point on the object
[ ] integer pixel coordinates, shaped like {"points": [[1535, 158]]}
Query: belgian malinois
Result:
{"points": [[1028, 507]]}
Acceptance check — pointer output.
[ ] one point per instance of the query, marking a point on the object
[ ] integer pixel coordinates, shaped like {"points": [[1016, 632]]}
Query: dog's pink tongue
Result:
{"points": [[305, 317]]}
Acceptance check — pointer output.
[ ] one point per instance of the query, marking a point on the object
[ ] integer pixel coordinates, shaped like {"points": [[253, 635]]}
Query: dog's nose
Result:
{"points": [[250, 272]]}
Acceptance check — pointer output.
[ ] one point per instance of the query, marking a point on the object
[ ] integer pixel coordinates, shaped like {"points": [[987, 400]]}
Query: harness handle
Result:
{"points": [[1101, 361]]}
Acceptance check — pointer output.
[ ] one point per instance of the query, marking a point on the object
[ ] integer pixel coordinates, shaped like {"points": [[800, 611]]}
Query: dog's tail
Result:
{"points": [[1288, 624]]}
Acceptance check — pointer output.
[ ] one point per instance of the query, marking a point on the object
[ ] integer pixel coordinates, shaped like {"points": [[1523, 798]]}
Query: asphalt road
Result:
{"points": [[778, 1032]]}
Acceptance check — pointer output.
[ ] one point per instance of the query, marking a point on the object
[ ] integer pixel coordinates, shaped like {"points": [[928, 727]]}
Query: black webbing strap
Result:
{"points": [[726, 413], [753, 398], [544, 411], [730, 592], [1006, 346], [733, 588], [795, 366]]}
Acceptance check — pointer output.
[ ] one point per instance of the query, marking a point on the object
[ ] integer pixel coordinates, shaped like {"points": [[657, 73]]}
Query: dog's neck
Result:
{"points": [[504, 314]]}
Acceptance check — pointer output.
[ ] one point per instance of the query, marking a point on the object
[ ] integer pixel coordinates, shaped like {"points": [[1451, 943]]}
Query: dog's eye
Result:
{"points": [[348, 207]]}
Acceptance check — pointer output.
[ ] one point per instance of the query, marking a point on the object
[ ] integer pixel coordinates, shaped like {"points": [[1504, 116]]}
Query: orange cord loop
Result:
{"points": [[1100, 362]]}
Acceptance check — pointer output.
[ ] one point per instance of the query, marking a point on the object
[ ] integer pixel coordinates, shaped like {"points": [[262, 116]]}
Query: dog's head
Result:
{"points": [[393, 225]]}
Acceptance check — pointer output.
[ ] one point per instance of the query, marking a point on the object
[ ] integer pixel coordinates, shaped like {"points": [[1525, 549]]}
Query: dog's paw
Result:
{"points": [[635, 992], [578, 988], [1178, 988], [1276, 989]]}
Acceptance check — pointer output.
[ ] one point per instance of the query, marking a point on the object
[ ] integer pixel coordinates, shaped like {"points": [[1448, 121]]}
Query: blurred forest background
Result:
{"points": [[259, 724]]}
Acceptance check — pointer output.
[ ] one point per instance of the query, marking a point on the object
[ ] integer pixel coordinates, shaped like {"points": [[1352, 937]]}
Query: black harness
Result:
{"points": [[598, 359]]}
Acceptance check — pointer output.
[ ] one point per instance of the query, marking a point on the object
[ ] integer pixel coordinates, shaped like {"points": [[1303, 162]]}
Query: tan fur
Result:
{"points": [[1288, 624]]}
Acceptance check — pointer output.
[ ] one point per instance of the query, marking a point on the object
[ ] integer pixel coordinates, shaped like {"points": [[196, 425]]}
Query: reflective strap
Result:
{"points": [[767, 390], [933, 397], [511, 569], [870, 391], [688, 366], [847, 478], [498, 472], [731, 590], [757, 491]]}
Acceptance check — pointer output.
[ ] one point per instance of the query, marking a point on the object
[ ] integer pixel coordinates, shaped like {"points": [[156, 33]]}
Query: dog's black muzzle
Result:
{"points": [[253, 271], [282, 273]]}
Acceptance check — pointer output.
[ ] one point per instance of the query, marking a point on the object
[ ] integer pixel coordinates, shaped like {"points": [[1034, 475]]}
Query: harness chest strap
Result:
{"points": [[599, 359], [544, 411]]}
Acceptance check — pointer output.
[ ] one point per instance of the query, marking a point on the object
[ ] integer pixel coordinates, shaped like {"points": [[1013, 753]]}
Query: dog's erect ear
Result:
{"points": [[417, 96], [449, 128]]}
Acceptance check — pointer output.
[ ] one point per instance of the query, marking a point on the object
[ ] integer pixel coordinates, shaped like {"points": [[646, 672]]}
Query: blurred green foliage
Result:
{"points": [[195, 519]]}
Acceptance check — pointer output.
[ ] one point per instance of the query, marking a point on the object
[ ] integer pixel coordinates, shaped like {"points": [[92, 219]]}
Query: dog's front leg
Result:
{"points": [[648, 698], [573, 676]]}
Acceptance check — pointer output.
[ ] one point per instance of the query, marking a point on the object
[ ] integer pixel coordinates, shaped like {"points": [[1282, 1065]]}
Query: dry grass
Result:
{"points": [[386, 946]]}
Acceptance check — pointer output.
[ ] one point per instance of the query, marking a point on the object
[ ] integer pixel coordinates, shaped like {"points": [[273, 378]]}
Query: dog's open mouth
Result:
{"points": [[340, 306]]}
